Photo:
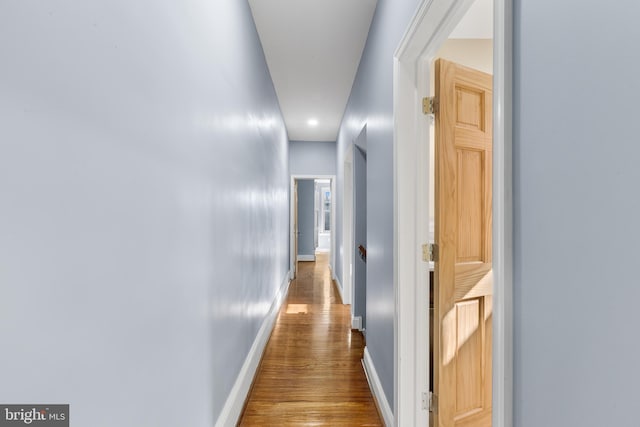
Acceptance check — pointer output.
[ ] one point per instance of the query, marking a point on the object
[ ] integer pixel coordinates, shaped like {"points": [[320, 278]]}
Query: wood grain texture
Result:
{"points": [[469, 358], [311, 372], [463, 226]]}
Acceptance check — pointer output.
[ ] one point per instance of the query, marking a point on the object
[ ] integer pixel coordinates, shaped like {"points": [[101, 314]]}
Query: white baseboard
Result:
{"points": [[376, 389], [338, 285], [306, 257], [356, 322], [232, 409]]}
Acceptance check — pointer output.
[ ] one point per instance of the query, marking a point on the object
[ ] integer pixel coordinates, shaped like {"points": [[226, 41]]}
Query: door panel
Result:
{"points": [[471, 170], [463, 276], [469, 357]]}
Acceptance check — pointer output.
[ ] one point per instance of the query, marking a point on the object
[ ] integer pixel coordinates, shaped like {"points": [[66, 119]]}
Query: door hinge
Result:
{"points": [[429, 105], [429, 252], [433, 402]]}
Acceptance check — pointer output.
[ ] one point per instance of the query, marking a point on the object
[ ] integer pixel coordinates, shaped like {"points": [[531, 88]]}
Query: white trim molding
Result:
{"points": [[431, 25], [338, 285], [376, 388], [356, 323], [232, 409], [502, 215], [306, 258]]}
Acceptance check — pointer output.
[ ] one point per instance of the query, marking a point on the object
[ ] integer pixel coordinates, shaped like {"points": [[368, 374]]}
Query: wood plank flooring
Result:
{"points": [[311, 374]]}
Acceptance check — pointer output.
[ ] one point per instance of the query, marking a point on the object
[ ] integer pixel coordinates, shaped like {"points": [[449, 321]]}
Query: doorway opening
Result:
{"points": [[414, 186], [354, 229], [359, 306], [460, 224], [312, 218]]}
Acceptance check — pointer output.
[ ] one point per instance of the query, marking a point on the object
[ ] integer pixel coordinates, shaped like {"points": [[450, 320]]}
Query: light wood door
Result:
{"points": [[463, 274]]}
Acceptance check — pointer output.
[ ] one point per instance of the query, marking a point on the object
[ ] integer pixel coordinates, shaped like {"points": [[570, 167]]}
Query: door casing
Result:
{"points": [[432, 23]]}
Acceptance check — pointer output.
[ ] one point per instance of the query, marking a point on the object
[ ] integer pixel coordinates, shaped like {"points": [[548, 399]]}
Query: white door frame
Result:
{"points": [[348, 243], [292, 232], [432, 23]]}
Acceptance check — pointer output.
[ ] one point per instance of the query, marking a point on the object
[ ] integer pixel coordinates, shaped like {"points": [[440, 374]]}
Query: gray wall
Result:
{"points": [[144, 216], [306, 217], [577, 206], [371, 104], [312, 158]]}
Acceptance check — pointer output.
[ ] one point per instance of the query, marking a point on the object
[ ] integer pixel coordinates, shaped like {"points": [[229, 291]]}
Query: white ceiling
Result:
{"points": [[313, 48]]}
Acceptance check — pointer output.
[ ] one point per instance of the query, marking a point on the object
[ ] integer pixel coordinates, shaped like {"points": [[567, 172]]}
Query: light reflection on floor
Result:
{"points": [[311, 373]]}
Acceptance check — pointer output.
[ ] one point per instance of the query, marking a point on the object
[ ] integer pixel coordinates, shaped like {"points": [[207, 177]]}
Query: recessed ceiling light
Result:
{"points": [[312, 122]]}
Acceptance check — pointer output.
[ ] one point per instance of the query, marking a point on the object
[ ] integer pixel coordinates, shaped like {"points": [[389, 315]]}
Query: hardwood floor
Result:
{"points": [[311, 374]]}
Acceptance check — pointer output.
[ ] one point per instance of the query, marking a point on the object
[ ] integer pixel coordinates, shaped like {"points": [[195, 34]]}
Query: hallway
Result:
{"points": [[311, 372]]}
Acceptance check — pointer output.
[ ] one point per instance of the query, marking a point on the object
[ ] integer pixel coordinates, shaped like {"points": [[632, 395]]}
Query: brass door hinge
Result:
{"points": [[429, 105], [429, 252]]}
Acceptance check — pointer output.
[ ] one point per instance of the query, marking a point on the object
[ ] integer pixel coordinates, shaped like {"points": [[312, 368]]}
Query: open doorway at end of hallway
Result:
{"points": [[312, 217]]}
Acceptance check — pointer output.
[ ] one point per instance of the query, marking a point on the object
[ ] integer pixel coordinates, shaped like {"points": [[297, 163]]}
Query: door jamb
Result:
{"points": [[432, 23]]}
